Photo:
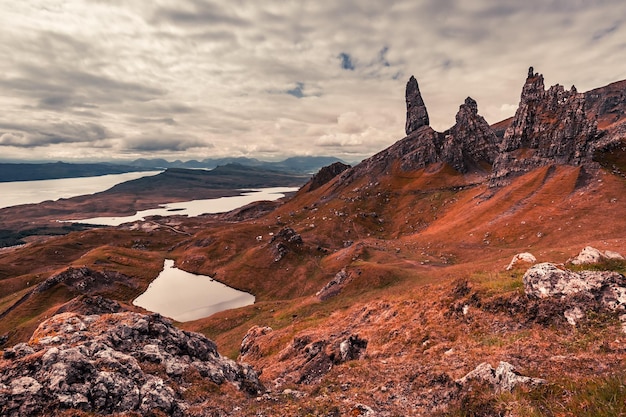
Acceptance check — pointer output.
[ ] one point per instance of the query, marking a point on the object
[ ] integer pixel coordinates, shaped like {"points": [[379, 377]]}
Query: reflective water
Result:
{"points": [[184, 296], [195, 207], [33, 192]]}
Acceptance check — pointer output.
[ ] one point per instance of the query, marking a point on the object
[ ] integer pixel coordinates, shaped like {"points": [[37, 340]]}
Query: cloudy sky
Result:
{"points": [[192, 79]]}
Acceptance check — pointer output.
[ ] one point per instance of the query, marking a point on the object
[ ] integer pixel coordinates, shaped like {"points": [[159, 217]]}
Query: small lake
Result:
{"points": [[32, 192], [195, 207], [184, 296]]}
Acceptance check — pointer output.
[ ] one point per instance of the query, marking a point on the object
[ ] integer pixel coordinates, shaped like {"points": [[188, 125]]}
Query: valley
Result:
{"points": [[379, 289]]}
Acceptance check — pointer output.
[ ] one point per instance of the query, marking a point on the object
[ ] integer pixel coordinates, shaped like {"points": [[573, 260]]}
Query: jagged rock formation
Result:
{"points": [[326, 174], [416, 113], [470, 144], [112, 363], [549, 127]]}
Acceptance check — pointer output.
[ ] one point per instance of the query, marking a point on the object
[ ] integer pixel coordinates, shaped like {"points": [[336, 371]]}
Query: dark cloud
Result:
{"points": [[30, 136], [382, 57], [63, 102], [152, 120], [161, 141], [55, 87]]}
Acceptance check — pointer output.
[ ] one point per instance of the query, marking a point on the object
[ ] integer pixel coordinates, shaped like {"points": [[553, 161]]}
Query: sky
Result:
{"points": [[91, 80]]}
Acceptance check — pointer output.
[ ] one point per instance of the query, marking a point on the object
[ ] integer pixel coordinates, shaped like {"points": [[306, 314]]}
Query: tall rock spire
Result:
{"points": [[416, 114]]}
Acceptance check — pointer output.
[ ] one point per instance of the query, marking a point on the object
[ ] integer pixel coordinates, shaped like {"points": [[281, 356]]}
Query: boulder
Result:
{"points": [[547, 280], [591, 255], [520, 258], [503, 378]]}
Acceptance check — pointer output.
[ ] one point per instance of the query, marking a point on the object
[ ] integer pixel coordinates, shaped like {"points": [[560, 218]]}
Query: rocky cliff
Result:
{"points": [[551, 126]]}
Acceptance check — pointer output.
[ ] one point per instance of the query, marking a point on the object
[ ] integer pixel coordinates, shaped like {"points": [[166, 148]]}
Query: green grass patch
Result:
{"points": [[492, 283], [617, 265]]}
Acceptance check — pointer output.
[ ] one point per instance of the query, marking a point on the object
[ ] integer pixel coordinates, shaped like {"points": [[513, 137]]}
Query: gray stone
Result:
{"points": [[100, 372], [503, 378]]}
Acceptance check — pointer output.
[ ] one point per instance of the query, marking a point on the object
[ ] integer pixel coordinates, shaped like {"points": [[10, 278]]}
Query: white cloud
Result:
{"points": [[200, 78]]}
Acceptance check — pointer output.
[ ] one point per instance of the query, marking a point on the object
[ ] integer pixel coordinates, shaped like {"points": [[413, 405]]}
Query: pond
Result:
{"points": [[184, 296]]}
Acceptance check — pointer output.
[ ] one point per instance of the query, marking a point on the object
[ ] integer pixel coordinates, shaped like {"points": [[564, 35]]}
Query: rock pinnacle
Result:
{"points": [[416, 114]]}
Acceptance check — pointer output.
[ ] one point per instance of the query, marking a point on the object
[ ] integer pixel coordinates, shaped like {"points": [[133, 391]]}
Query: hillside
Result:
{"points": [[381, 289]]}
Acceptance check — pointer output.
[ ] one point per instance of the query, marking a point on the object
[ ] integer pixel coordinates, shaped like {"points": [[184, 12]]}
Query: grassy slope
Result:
{"points": [[413, 238]]}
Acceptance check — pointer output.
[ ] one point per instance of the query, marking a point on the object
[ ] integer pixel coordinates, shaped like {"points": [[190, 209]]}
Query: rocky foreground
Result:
{"points": [[112, 363]]}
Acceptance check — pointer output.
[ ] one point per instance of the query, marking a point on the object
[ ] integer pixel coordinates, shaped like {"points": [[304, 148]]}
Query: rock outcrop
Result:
{"points": [[124, 362], [334, 286], [585, 290], [326, 174], [503, 378], [590, 255], [549, 127], [306, 360], [608, 104], [416, 113], [470, 144], [284, 241]]}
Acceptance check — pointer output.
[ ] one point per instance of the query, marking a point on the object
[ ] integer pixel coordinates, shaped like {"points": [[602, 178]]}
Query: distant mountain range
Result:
{"points": [[56, 170], [298, 164]]}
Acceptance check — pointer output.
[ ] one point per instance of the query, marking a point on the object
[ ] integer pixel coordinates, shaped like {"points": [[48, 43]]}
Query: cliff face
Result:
{"points": [[549, 127]]}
